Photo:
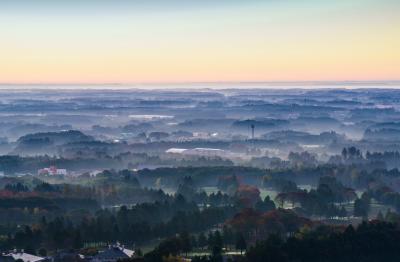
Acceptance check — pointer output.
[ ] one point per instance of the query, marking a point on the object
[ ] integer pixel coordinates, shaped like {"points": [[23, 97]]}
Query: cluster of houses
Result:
{"points": [[52, 171], [113, 253]]}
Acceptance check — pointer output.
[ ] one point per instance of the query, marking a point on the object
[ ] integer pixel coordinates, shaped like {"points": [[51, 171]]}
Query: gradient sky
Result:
{"points": [[141, 41]]}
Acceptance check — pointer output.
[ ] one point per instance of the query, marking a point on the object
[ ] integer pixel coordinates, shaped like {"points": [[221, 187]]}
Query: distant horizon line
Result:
{"points": [[288, 83]]}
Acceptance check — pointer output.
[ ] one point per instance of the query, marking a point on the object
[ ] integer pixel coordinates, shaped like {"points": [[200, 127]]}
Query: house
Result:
{"points": [[52, 171], [21, 255], [113, 253]]}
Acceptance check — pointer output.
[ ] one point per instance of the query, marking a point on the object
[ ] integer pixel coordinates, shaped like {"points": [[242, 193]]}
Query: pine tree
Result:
{"points": [[202, 240], [241, 243], [185, 242]]}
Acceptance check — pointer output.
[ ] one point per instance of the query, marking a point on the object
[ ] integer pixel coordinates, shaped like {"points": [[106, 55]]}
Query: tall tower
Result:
{"points": [[252, 131]]}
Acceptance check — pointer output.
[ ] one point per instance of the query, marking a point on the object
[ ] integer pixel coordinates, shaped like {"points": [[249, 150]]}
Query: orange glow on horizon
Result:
{"points": [[334, 43]]}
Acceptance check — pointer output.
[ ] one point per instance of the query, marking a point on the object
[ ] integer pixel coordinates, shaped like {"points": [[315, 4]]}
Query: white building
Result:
{"points": [[24, 256], [176, 150], [199, 152]]}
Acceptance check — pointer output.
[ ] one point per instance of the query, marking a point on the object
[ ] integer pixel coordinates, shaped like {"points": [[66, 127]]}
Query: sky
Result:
{"points": [[179, 41]]}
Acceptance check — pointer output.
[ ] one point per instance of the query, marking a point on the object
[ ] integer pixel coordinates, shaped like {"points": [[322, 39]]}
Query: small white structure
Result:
{"points": [[24, 256], [199, 152], [176, 150]]}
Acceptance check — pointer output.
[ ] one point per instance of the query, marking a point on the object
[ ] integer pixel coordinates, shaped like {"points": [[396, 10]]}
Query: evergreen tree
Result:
{"points": [[186, 244], [241, 243], [202, 240]]}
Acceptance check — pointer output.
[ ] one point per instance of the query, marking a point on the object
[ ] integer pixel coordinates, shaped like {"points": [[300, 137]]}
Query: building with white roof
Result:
{"points": [[176, 150], [23, 256], [199, 152], [113, 253]]}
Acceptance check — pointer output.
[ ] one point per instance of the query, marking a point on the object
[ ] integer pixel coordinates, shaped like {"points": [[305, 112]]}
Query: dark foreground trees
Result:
{"points": [[136, 225], [369, 242]]}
